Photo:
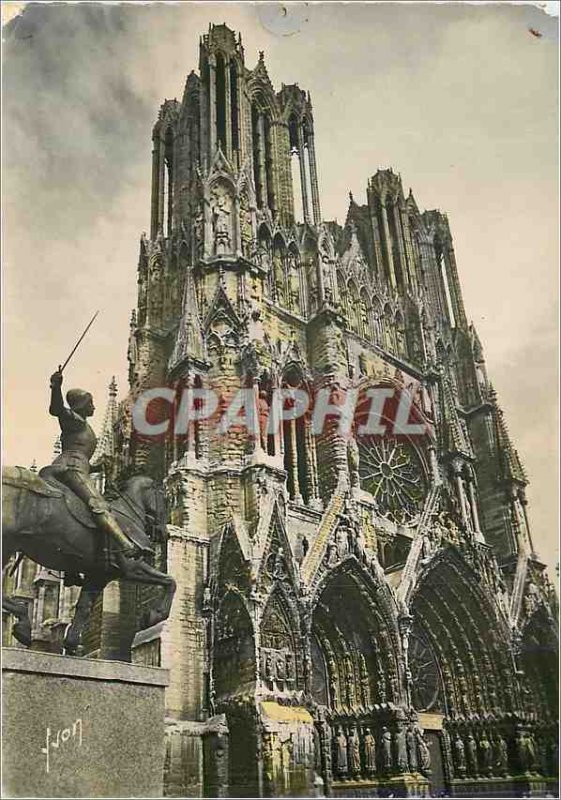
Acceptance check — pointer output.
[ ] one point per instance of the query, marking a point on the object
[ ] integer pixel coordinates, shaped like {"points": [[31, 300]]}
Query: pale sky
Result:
{"points": [[461, 100]]}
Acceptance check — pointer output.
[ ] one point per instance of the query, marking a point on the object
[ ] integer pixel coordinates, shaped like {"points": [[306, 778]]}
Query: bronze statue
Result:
{"points": [[44, 517], [72, 466]]}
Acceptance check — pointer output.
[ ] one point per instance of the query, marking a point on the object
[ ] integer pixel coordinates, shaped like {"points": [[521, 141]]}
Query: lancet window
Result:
{"points": [[298, 448], [262, 157]]}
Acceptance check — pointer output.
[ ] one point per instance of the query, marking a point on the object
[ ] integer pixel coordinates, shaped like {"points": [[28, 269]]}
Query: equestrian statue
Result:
{"points": [[60, 520]]}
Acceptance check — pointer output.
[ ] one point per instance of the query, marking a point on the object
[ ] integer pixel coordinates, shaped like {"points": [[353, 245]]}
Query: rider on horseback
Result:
{"points": [[72, 466]]}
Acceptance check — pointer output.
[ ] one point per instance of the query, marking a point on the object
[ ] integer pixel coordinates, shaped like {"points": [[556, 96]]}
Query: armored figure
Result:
{"points": [[72, 466], [369, 752]]}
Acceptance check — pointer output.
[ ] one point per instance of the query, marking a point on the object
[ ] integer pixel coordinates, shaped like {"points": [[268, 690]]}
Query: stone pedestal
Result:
{"points": [[288, 750], [75, 727]]}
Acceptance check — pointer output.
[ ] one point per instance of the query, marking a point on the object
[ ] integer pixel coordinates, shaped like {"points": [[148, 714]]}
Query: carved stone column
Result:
{"points": [[405, 622], [293, 460], [312, 469]]}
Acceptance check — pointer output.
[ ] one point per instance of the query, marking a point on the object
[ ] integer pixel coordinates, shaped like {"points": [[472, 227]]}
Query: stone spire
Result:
{"points": [[511, 466], [106, 441], [454, 435], [189, 342]]}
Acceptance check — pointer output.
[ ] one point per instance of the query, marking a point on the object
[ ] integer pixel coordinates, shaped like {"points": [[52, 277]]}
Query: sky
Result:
{"points": [[460, 99]]}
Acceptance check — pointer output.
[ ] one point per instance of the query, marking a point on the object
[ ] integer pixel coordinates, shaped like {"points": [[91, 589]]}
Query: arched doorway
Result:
{"points": [[356, 676]]}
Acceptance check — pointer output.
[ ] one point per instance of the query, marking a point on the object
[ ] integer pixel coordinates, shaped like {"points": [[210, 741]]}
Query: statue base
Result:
{"points": [[406, 785], [76, 727], [507, 787]]}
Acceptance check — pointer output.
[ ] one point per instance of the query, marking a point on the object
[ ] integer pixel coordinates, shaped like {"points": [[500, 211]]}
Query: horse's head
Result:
{"points": [[150, 496]]}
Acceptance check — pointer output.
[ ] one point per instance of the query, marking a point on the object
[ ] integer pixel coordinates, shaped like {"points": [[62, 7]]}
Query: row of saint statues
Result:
{"points": [[358, 753]]}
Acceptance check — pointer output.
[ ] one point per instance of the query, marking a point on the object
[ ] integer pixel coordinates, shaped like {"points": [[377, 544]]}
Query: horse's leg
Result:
{"points": [[141, 572], [21, 629], [88, 594]]}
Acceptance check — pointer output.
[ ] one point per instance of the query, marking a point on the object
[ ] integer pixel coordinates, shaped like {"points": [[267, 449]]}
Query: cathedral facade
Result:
{"points": [[357, 614]]}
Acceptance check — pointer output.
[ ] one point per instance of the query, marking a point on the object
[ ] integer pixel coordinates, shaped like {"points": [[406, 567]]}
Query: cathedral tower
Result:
{"points": [[338, 593]]}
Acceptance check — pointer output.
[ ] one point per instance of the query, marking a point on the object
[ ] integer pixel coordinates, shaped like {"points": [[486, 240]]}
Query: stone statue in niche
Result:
{"points": [[423, 752], [263, 413], [459, 755], [289, 668], [386, 749], [529, 752], [341, 759], [532, 599], [500, 755], [268, 667], [411, 744], [281, 667], [401, 750], [331, 556], [353, 462], [486, 754], [221, 221], [354, 752], [198, 232], [362, 365], [471, 753], [246, 228], [293, 282], [263, 255], [342, 540], [369, 752]]}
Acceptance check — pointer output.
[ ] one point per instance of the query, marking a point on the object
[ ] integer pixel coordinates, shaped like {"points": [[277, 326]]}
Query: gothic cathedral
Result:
{"points": [[355, 615]]}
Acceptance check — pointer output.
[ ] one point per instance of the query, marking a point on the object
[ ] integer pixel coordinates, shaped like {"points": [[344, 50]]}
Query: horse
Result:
{"points": [[45, 521]]}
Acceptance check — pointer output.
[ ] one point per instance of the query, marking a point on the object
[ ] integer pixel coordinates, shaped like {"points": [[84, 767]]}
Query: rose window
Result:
{"points": [[425, 678], [393, 473]]}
